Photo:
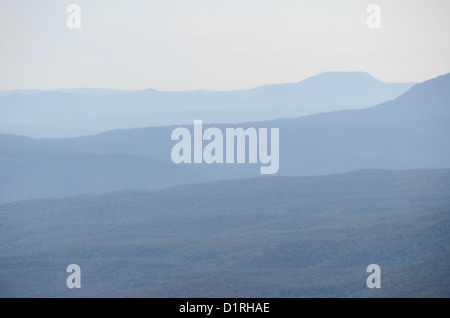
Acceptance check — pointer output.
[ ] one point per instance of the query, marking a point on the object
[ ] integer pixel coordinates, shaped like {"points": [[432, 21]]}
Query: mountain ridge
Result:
{"points": [[298, 237], [95, 110], [386, 136]]}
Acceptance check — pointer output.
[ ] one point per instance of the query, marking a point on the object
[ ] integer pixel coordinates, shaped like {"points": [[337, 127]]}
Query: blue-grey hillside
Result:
{"points": [[410, 132], [76, 112], [259, 237]]}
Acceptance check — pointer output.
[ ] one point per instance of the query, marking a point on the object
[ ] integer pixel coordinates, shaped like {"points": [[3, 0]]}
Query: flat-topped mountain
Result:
{"points": [[75, 112]]}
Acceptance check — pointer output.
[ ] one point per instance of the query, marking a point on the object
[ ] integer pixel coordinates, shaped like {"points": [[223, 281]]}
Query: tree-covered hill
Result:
{"points": [[261, 237]]}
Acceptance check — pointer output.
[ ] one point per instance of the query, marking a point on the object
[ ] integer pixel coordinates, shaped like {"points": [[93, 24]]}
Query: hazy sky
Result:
{"points": [[220, 45]]}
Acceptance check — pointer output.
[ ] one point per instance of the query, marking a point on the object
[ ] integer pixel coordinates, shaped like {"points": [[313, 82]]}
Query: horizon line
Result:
{"points": [[39, 90]]}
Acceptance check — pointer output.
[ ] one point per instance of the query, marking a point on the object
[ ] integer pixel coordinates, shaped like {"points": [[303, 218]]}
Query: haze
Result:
{"points": [[217, 45]]}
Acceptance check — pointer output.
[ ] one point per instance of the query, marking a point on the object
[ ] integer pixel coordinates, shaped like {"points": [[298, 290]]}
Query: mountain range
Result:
{"points": [[409, 132], [355, 187], [76, 112], [259, 237]]}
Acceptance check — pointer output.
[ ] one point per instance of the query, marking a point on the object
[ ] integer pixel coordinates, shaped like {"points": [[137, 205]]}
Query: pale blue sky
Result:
{"points": [[219, 45]]}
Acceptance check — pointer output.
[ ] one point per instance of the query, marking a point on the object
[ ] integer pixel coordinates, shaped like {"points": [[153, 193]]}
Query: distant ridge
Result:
{"points": [[85, 111], [424, 100], [410, 132]]}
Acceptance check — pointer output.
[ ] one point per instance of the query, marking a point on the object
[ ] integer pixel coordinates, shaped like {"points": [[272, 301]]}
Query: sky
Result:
{"points": [[176, 45]]}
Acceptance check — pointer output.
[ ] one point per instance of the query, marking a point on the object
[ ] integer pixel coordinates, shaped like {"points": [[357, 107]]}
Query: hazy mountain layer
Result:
{"points": [[76, 112], [410, 132], [261, 237]]}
